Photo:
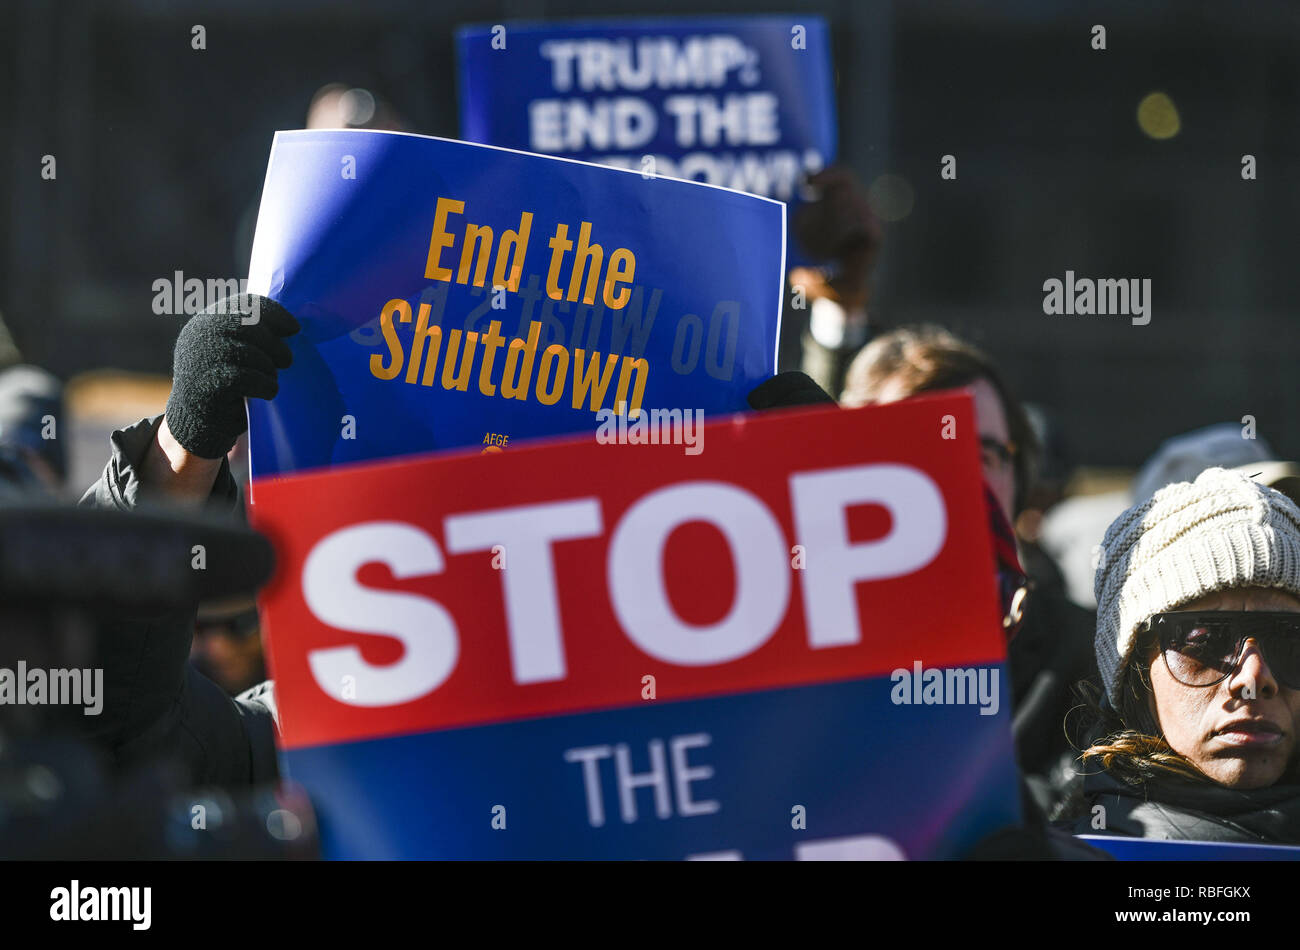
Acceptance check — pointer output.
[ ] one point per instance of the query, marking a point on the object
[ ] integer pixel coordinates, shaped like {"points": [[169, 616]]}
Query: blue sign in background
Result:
{"points": [[743, 102], [934, 780], [345, 226]]}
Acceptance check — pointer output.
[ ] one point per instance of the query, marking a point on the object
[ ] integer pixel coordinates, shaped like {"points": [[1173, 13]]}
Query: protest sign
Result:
{"points": [[454, 295], [785, 645], [746, 102]]}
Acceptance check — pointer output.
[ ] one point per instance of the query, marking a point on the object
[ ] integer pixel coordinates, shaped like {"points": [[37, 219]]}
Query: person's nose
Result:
{"points": [[1252, 679]]}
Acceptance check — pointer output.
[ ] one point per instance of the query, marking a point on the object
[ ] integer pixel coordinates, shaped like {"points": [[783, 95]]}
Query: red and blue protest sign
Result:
{"points": [[454, 294], [746, 102], [785, 644]]}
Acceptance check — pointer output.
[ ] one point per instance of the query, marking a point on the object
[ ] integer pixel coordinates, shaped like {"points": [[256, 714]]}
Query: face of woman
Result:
{"points": [[1242, 731]]}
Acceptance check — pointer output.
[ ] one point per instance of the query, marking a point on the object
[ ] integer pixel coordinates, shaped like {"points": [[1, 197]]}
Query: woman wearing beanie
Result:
{"points": [[1198, 645]]}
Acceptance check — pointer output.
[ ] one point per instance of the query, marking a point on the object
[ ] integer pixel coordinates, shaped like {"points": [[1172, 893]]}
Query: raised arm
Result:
{"points": [[161, 706], [227, 353]]}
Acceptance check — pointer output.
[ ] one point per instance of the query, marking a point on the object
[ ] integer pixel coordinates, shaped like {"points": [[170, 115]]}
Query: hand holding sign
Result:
{"points": [[228, 352]]}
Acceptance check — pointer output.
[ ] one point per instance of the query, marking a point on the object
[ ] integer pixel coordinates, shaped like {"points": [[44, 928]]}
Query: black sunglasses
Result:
{"points": [[241, 625], [1203, 648]]}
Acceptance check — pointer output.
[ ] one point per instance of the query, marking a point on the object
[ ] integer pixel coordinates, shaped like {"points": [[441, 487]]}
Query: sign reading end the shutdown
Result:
{"points": [[456, 295]]}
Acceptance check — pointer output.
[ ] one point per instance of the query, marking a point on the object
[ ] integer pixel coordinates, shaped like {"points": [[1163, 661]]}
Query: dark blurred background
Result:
{"points": [[161, 150]]}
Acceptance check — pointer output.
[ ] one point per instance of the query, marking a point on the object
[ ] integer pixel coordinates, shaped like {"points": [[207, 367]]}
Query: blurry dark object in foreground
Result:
{"points": [[87, 768], [59, 801]]}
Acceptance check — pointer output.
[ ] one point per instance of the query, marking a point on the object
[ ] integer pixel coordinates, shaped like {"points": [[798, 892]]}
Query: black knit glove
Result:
{"points": [[219, 361]]}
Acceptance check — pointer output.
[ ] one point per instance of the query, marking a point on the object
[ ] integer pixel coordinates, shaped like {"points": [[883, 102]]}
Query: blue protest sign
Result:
{"points": [[746, 102], [454, 294], [1158, 849]]}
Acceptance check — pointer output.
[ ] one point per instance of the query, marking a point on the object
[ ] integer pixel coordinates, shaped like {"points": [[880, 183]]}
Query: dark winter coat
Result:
{"points": [[1185, 810], [159, 705]]}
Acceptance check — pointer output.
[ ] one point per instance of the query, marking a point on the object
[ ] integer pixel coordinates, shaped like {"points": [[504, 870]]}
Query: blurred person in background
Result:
{"points": [[1072, 530], [825, 319], [227, 646], [31, 414], [335, 105], [1183, 457], [913, 360], [1197, 732], [1050, 651]]}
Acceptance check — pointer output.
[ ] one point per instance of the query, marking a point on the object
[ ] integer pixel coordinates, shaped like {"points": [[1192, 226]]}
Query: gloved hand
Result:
{"points": [[220, 359]]}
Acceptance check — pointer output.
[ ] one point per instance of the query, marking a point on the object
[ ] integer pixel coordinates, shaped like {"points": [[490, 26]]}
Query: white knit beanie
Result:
{"points": [[1188, 540]]}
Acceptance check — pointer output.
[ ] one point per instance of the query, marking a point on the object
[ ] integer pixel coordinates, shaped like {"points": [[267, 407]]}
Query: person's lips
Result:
{"points": [[1250, 732]]}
